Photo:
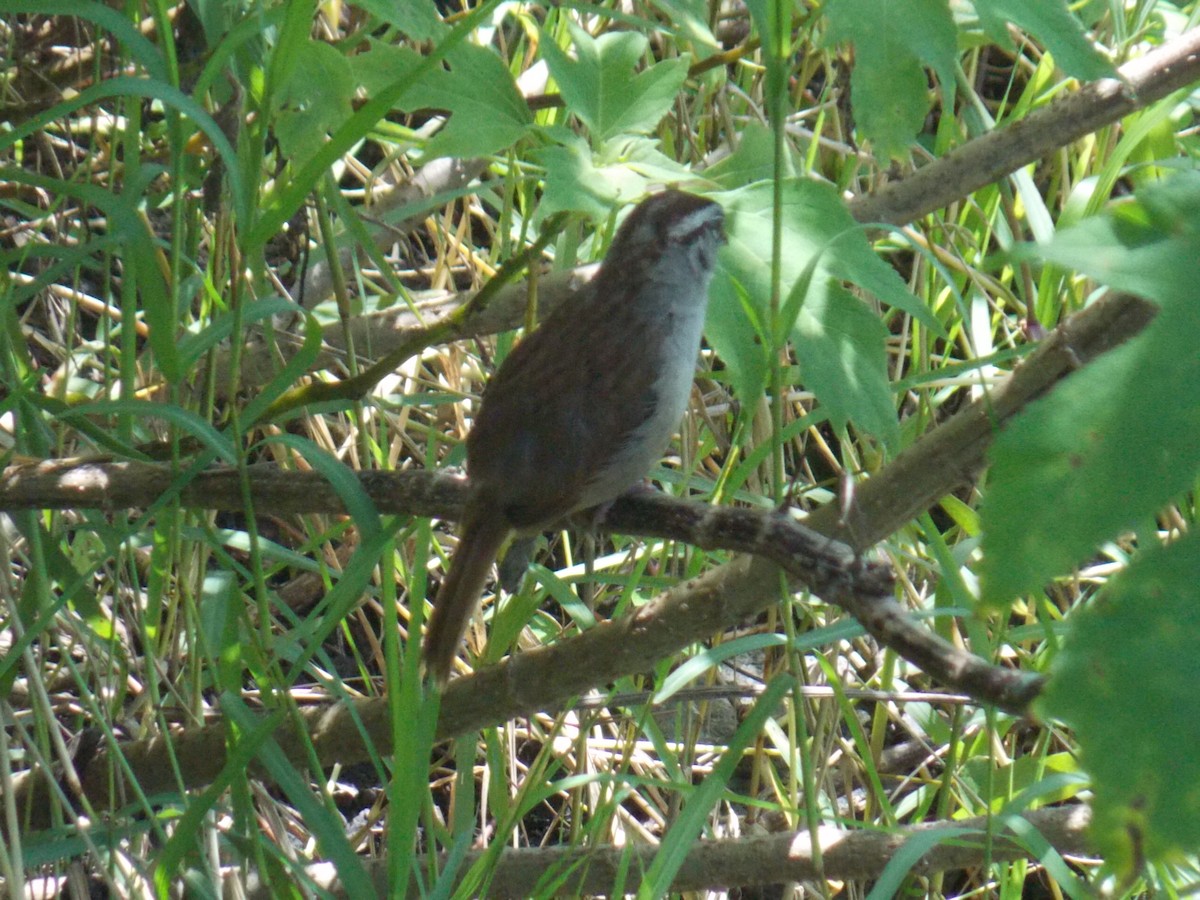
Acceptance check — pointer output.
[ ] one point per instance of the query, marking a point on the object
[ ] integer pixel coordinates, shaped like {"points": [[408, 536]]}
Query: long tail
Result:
{"points": [[482, 537]]}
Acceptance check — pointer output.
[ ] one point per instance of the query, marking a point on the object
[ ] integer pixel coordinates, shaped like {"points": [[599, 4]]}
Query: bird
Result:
{"points": [[585, 404]]}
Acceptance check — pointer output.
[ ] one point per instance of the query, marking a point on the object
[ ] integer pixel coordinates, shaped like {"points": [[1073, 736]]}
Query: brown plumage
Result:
{"points": [[584, 405]]}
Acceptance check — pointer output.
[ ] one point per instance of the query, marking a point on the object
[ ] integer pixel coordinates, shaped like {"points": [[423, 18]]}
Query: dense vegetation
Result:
{"points": [[916, 610]]}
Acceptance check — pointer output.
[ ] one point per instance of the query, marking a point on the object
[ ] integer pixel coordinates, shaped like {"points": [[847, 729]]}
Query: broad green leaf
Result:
{"points": [[623, 170], [1120, 438], [292, 43], [1125, 681], [487, 112], [888, 84], [418, 19], [690, 20], [600, 87], [315, 101], [829, 328], [277, 207], [840, 345], [753, 160], [736, 324], [381, 64], [1053, 24]]}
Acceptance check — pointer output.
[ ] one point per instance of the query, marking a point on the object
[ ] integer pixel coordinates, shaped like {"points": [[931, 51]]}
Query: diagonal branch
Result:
{"points": [[998, 153], [767, 859], [549, 677]]}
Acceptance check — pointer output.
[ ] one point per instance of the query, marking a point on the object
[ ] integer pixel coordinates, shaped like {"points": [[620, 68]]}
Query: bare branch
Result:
{"points": [[767, 859]]}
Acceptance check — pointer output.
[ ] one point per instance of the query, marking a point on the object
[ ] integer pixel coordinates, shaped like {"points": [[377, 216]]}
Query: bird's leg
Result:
{"points": [[515, 564]]}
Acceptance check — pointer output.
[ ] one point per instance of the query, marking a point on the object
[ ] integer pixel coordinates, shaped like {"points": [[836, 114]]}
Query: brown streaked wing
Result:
{"points": [[549, 421]]}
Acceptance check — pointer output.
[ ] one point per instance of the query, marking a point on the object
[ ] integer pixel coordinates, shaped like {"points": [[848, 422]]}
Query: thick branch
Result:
{"points": [[769, 859], [989, 158]]}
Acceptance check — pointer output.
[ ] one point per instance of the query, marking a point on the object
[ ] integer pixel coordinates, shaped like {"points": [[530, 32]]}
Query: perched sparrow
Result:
{"points": [[584, 405]]}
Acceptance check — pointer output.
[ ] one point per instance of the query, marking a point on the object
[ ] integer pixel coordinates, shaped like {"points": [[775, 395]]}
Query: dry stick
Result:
{"points": [[986, 159], [436, 177], [547, 678], [758, 860]]}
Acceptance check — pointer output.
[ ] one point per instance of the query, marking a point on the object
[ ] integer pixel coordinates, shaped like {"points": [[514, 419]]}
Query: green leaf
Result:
{"points": [[623, 170], [736, 324], [888, 84], [487, 112], [905, 858], [381, 64], [1052, 23], [205, 335], [291, 192], [840, 345], [753, 160], [219, 640], [341, 477], [689, 19], [831, 326], [238, 757], [1120, 438], [320, 818], [713, 657], [418, 19], [185, 420], [1125, 681], [314, 101], [599, 85], [286, 377], [292, 43]]}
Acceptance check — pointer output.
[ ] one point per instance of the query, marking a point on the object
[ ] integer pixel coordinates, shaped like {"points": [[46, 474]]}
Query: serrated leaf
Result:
{"points": [[315, 102], [816, 226], [577, 179], [599, 85], [418, 19], [1053, 24], [840, 345], [888, 85], [1124, 681], [753, 160], [1120, 438], [487, 112]]}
